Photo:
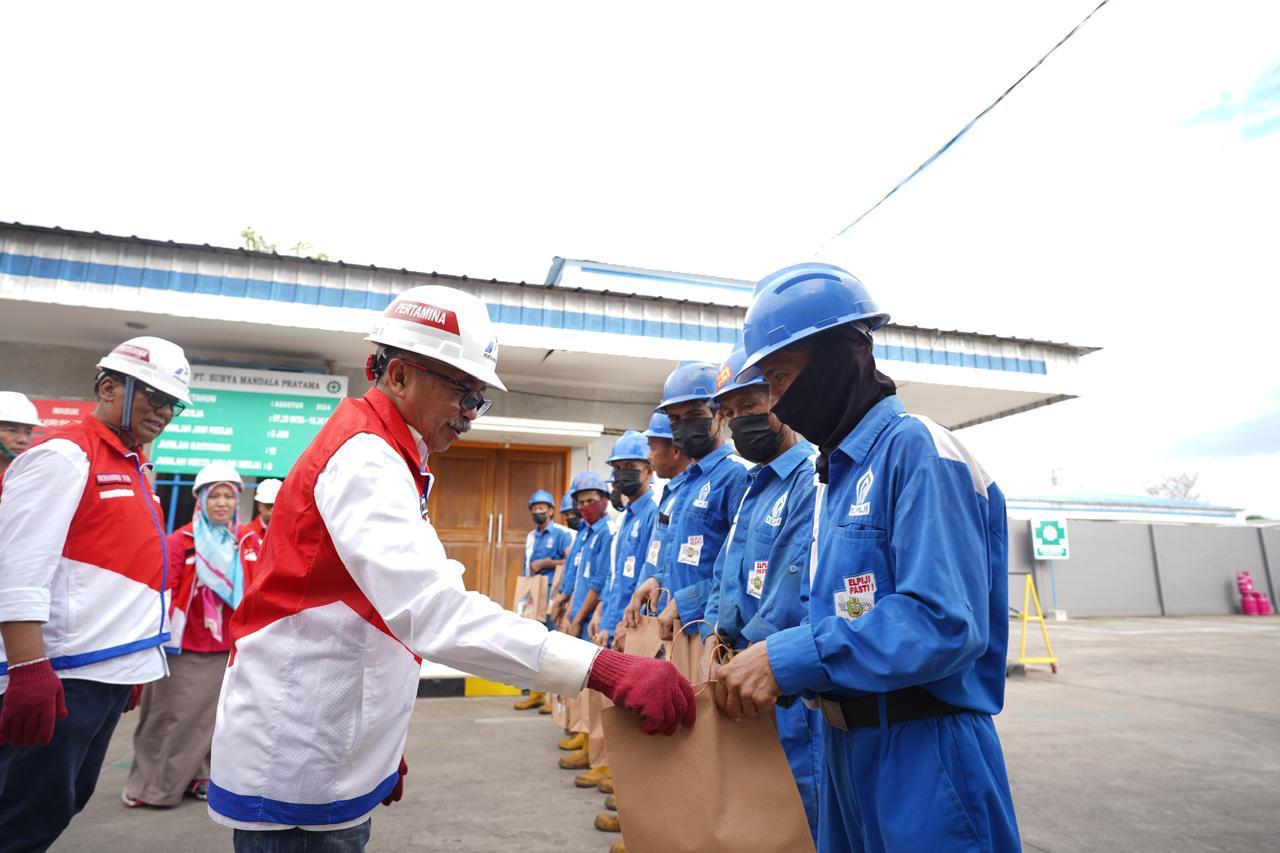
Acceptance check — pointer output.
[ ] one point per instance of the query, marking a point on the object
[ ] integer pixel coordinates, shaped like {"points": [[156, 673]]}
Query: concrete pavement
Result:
{"points": [[1156, 735]]}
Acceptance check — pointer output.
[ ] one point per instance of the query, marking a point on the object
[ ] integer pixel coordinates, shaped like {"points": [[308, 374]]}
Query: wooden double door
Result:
{"points": [[479, 506]]}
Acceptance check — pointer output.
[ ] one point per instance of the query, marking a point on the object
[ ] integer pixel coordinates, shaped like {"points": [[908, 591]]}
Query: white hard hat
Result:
{"points": [[445, 324], [267, 491], [216, 472], [154, 361], [15, 408]]}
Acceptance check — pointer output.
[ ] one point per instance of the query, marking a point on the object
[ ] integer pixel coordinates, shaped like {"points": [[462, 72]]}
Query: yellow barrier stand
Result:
{"points": [[483, 687], [1029, 597]]}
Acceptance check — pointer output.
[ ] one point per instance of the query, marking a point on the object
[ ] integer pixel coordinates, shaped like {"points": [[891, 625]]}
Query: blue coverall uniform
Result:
{"points": [[704, 510], [629, 547], [552, 542], [593, 568], [762, 563], [573, 564], [908, 588], [655, 556]]}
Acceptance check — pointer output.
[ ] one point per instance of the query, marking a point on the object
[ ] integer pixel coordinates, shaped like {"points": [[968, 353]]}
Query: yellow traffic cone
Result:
{"points": [[574, 742], [576, 761], [528, 703]]}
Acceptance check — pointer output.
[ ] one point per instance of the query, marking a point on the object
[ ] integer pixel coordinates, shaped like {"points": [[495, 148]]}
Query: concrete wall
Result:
{"points": [[1115, 571]]}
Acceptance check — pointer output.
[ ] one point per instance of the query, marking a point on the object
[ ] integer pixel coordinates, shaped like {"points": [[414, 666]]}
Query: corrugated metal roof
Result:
{"points": [[1114, 499]]}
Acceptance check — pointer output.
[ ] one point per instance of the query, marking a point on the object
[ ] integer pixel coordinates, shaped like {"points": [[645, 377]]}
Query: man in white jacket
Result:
{"points": [[353, 588]]}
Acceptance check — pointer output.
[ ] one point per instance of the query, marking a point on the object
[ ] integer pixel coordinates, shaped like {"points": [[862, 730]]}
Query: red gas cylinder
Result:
{"points": [[1249, 604]]}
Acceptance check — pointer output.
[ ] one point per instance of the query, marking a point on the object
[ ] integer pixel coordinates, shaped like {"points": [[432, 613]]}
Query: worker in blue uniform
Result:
{"points": [[572, 563], [545, 547], [766, 554], [904, 651], [669, 464], [632, 477], [591, 495], [713, 487]]}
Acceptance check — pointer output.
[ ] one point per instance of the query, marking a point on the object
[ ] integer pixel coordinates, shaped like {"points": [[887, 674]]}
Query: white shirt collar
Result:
{"points": [[420, 444]]}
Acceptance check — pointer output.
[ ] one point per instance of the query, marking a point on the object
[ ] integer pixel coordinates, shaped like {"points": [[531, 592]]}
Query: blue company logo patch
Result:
{"points": [[491, 351]]}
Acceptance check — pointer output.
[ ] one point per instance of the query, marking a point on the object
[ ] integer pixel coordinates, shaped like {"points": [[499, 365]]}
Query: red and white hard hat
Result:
{"points": [[445, 324], [153, 361], [267, 491], [216, 472], [15, 408]]}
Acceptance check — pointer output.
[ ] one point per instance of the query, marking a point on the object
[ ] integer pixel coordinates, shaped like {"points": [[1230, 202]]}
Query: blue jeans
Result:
{"points": [[43, 787], [349, 840]]}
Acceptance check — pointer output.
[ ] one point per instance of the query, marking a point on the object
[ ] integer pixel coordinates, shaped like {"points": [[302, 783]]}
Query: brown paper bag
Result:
{"points": [[643, 640], [720, 786], [596, 752], [556, 701], [580, 718], [531, 597]]}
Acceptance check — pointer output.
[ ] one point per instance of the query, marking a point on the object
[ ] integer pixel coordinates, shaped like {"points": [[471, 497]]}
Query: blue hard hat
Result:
{"points": [[632, 445], [588, 480], [659, 427], [542, 497], [566, 503], [725, 377], [691, 380], [799, 301]]}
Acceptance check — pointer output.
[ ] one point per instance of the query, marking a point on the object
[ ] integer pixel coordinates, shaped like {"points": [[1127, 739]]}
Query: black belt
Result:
{"points": [[911, 703]]}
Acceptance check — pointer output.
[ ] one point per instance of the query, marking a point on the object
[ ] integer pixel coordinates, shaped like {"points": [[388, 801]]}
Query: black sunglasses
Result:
{"points": [[158, 400], [471, 400]]}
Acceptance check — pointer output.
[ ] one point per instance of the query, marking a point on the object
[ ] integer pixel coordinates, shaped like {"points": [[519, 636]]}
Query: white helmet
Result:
{"points": [[445, 324], [15, 408], [216, 472], [154, 361], [267, 491]]}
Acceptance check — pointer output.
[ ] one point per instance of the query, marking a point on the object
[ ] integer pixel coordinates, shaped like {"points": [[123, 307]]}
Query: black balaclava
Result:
{"points": [[754, 439], [692, 436], [834, 391]]}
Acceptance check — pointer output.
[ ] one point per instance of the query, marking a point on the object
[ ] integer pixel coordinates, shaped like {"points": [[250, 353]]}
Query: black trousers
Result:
{"points": [[43, 787]]}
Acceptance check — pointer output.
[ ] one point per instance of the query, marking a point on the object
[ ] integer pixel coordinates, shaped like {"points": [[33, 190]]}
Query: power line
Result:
{"points": [[953, 140]]}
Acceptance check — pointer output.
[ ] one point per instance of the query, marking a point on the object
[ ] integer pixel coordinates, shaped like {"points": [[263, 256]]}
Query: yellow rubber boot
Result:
{"points": [[592, 778], [574, 742], [576, 761], [528, 703], [611, 802], [545, 709], [606, 784], [618, 847], [608, 822]]}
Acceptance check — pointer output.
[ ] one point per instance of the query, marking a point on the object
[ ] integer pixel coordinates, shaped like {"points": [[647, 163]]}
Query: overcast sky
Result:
{"points": [[1125, 196]]}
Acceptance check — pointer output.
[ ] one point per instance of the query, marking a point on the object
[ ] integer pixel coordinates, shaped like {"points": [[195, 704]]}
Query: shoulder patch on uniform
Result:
{"points": [[950, 447]]}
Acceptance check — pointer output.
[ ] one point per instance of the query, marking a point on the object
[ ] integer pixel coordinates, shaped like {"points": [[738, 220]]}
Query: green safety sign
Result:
{"points": [[1049, 539], [258, 421]]}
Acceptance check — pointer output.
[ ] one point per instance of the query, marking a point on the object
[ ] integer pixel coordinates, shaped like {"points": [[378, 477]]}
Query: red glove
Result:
{"points": [[398, 791], [653, 688], [32, 704], [135, 696]]}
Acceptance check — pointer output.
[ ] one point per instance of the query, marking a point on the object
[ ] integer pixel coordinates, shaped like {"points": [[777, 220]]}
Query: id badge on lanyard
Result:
{"points": [[426, 490]]}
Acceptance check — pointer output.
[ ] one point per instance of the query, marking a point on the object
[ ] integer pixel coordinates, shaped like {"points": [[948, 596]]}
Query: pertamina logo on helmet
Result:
{"points": [[723, 377], [424, 314], [133, 351]]}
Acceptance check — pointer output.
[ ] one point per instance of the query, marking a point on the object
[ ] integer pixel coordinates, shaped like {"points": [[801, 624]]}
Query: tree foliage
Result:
{"points": [[255, 242], [1177, 486]]}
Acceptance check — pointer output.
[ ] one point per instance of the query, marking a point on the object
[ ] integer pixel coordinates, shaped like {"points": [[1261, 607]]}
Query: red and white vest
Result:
{"points": [[108, 596], [318, 693]]}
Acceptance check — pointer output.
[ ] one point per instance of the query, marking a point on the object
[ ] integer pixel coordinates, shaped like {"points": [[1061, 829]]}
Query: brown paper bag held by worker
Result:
{"points": [[531, 597], [644, 641], [721, 786]]}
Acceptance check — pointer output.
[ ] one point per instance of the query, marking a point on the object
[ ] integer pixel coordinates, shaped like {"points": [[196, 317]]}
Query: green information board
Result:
{"points": [[258, 421]]}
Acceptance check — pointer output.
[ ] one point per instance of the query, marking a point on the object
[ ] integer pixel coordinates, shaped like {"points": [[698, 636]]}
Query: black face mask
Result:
{"points": [[572, 522], [834, 391], [754, 438], [615, 498], [539, 518], [628, 481], [692, 436]]}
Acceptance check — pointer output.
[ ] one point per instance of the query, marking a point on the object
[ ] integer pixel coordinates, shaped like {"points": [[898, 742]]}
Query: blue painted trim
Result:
{"points": [[264, 810], [1135, 510], [734, 288], [516, 315], [73, 661]]}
